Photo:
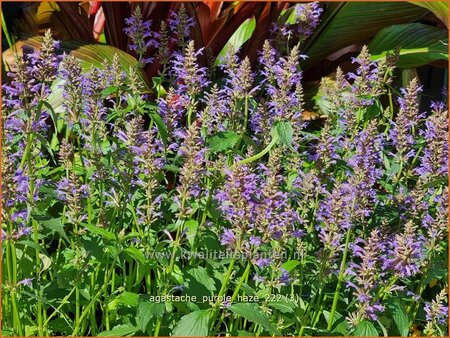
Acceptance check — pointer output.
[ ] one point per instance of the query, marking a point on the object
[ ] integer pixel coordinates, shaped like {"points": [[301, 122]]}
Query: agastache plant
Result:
{"points": [[124, 201]]}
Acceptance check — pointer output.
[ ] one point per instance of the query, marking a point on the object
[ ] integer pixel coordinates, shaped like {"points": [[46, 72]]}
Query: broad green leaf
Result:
{"points": [[109, 90], [125, 298], [162, 129], [400, 317], [191, 226], [290, 265], [33, 245], [55, 224], [147, 310], [253, 313], [120, 331], [135, 254], [350, 22], [365, 328], [283, 130], [339, 323], [285, 305], [239, 37], [200, 274], [194, 324], [418, 44], [100, 231], [439, 8], [223, 141]]}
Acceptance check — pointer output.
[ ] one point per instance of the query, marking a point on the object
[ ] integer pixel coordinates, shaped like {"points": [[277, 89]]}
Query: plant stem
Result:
{"points": [[260, 154], [340, 279]]}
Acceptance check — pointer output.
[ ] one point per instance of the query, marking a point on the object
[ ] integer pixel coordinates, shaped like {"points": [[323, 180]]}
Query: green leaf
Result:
{"points": [[339, 323], [400, 317], [365, 328], [346, 23], [239, 37], [223, 141], [290, 265], [120, 331], [253, 313], [125, 298], [100, 231], [135, 254], [201, 276], [191, 226], [193, 324], [162, 129], [109, 90], [418, 44], [34, 245], [439, 8], [283, 130], [56, 225], [285, 306], [147, 310]]}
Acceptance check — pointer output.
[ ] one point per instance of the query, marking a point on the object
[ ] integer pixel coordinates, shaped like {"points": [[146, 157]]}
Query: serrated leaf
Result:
{"points": [[33, 245], [339, 323], [147, 310], [100, 231], [191, 226], [400, 317], [55, 224], [223, 141], [253, 313], [135, 254], [201, 275], [365, 328], [283, 131], [109, 90], [284, 306], [194, 324]]}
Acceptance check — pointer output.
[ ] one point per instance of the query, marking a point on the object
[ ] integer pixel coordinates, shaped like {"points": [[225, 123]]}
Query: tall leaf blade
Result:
{"points": [[355, 22], [418, 44]]}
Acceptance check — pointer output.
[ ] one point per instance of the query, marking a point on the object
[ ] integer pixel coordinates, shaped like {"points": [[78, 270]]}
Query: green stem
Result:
{"points": [[260, 154], [87, 309], [340, 280]]}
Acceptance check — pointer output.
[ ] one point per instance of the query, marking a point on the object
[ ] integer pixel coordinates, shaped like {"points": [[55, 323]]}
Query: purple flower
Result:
{"points": [[216, 111], [282, 82], [403, 132], [27, 282], [180, 25], [262, 262], [228, 238], [434, 161], [436, 314], [367, 275], [190, 78], [284, 279], [141, 36], [238, 199], [193, 170], [405, 252]]}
